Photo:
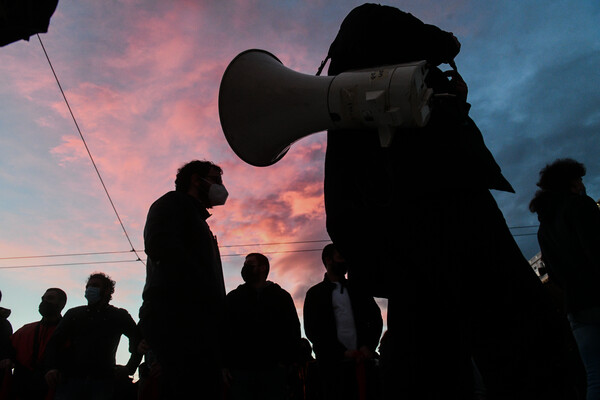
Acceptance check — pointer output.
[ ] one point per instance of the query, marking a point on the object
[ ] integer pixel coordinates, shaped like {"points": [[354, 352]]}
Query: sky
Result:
{"points": [[142, 79]]}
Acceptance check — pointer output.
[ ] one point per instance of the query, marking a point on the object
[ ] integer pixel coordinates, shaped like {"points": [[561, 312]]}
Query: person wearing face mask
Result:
{"points": [[262, 334], [344, 325], [80, 357], [29, 343], [184, 291], [569, 238]]}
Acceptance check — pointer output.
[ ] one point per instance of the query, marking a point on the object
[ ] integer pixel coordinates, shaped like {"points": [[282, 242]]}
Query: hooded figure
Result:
{"points": [[417, 224]]}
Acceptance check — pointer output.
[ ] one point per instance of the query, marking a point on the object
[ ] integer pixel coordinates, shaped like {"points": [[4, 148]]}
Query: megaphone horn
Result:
{"points": [[265, 107]]}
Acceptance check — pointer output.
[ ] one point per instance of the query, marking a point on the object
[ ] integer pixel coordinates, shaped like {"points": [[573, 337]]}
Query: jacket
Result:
{"points": [[373, 193], [85, 342], [6, 350], [30, 343], [319, 320], [569, 238], [262, 328], [184, 265]]}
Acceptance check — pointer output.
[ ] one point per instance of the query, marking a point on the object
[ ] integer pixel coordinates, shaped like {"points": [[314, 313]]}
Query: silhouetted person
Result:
{"points": [[262, 334], [81, 354], [417, 224], [344, 325], [29, 343], [184, 292], [6, 350], [569, 238]]}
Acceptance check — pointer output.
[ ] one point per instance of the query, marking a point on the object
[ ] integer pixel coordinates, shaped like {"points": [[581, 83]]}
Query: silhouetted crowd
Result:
{"points": [[413, 222], [263, 355], [249, 345]]}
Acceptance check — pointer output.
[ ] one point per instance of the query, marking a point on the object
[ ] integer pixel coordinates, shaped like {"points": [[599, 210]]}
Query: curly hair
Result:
{"points": [[556, 177], [109, 284], [184, 174], [559, 175]]}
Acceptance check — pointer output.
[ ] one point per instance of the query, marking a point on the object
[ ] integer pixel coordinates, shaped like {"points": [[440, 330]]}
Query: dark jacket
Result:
{"points": [[30, 343], [84, 344], [319, 320], [373, 210], [569, 237], [183, 258], [262, 328], [6, 330]]}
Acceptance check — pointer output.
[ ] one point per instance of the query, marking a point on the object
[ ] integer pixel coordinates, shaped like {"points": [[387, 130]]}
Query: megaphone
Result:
{"points": [[265, 107]]}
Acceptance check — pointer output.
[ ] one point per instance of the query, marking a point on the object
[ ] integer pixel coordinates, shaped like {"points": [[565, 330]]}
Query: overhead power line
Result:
{"points": [[130, 251], [273, 252], [68, 264], [87, 149], [67, 255], [277, 243], [129, 261], [133, 250], [222, 255], [143, 261]]}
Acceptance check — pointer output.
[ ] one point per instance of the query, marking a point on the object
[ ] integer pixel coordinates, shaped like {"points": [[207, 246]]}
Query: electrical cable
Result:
{"points": [[68, 264], [222, 255], [133, 250], [221, 246], [127, 261], [88, 150]]}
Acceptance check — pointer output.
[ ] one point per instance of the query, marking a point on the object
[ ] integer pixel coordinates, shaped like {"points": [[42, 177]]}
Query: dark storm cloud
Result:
{"points": [[554, 115]]}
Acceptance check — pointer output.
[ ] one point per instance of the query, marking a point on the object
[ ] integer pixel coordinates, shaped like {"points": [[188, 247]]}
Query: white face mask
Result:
{"points": [[217, 194]]}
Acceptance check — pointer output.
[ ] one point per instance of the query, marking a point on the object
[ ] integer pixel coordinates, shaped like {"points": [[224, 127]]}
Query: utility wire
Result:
{"points": [[68, 264], [223, 246], [67, 255], [128, 261], [129, 251], [88, 150], [121, 221], [276, 243], [274, 252]]}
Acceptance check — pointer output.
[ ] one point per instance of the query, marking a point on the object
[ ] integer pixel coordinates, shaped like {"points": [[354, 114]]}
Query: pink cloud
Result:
{"points": [[71, 150], [143, 85]]}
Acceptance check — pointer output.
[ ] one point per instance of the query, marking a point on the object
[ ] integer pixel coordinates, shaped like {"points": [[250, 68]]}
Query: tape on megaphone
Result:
{"points": [[265, 107]]}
